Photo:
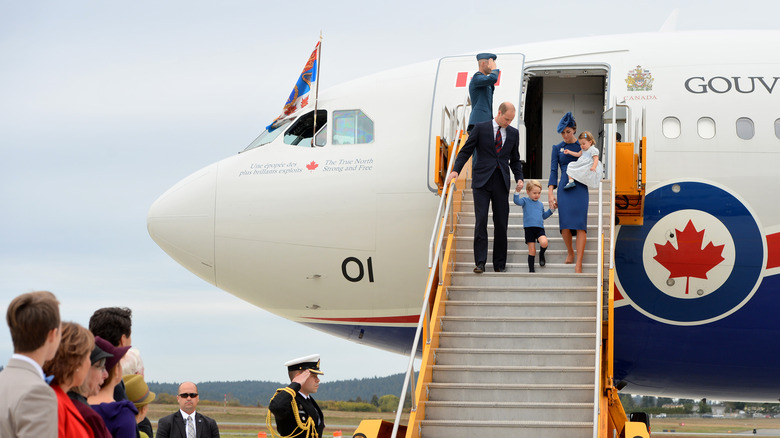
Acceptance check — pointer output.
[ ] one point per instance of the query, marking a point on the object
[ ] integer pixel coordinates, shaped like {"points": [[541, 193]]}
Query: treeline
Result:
{"points": [[258, 393]]}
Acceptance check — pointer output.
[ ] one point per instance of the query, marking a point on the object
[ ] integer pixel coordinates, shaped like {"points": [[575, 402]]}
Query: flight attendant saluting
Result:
{"points": [[572, 204]]}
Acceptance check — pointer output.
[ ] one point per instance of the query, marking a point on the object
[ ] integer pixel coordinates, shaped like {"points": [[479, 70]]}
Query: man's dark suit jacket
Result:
{"points": [[173, 426], [482, 145]]}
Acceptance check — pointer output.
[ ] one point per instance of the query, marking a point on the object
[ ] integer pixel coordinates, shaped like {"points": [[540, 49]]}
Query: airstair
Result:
{"points": [[516, 351], [514, 354]]}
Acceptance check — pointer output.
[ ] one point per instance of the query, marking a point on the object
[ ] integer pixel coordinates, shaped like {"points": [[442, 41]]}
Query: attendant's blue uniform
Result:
{"points": [[572, 203], [481, 90]]}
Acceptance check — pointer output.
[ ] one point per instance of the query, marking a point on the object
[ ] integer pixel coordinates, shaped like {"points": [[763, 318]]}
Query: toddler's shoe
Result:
{"points": [[569, 185]]}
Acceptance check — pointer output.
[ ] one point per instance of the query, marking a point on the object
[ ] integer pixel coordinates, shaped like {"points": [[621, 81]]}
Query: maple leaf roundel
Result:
{"points": [[697, 258]]}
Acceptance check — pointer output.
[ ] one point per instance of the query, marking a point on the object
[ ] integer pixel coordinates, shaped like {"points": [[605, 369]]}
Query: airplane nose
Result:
{"points": [[181, 222]]}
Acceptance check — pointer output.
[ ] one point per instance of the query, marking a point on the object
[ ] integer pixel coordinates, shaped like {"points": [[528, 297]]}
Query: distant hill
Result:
{"points": [[253, 392]]}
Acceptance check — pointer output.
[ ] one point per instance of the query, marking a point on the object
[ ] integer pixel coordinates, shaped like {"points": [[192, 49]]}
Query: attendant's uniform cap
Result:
{"points": [[481, 56], [311, 363]]}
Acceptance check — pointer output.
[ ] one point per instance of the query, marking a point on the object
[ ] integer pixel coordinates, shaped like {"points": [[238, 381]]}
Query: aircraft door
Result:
{"points": [[584, 98], [450, 112]]}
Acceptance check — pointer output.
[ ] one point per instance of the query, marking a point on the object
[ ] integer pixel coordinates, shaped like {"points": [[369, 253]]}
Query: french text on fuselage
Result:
{"points": [[723, 84]]}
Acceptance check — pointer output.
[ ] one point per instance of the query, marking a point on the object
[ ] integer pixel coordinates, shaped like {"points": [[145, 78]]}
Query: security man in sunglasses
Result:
{"points": [[187, 423], [296, 412]]}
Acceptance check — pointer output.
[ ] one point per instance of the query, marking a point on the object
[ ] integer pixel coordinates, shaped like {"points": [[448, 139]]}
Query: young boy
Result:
{"points": [[28, 405], [533, 221]]}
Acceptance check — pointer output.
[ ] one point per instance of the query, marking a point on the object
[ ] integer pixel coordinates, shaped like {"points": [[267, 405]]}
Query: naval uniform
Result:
{"points": [[309, 415]]}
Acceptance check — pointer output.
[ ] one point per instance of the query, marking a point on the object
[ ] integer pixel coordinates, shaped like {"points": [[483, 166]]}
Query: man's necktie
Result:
{"points": [[190, 427], [498, 140]]}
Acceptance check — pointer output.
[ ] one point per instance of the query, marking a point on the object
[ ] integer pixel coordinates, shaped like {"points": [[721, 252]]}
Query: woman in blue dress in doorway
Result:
{"points": [[572, 204]]}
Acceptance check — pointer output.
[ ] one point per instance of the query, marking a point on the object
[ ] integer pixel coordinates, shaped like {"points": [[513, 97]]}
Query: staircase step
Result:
{"points": [[519, 325], [504, 392], [465, 254], [505, 429], [516, 357], [467, 216], [490, 411], [547, 309], [462, 277], [519, 293], [522, 341], [579, 375]]}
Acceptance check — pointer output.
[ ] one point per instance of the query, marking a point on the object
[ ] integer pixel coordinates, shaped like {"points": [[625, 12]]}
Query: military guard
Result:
{"points": [[296, 412], [481, 88]]}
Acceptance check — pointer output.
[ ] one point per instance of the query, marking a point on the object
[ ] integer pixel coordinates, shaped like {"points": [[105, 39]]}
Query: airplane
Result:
{"points": [[326, 220]]}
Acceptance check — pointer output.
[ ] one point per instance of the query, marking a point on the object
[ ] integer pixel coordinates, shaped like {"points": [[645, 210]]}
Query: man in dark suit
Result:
{"points": [[481, 88], [293, 406], [187, 423], [493, 147]]}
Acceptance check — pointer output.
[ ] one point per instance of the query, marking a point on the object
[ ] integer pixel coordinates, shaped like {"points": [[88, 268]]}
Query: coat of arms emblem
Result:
{"points": [[639, 79]]}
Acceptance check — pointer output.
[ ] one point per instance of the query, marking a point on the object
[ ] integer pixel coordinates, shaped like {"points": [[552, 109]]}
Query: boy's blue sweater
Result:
{"points": [[533, 211]]}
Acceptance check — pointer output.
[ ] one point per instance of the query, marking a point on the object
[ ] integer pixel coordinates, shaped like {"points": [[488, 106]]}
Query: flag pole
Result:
{"points": [[317, 90]]}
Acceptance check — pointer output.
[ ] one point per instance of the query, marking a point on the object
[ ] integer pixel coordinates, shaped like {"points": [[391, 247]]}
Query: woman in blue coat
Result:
{"points": [[572, 204]]}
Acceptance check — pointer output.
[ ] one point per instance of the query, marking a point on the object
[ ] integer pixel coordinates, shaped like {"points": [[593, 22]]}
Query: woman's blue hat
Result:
{"points": [[567, 121]]}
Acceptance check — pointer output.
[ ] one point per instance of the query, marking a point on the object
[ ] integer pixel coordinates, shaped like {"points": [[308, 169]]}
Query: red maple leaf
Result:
{"points": [[304, 101], [312, 165], [689, 259]]}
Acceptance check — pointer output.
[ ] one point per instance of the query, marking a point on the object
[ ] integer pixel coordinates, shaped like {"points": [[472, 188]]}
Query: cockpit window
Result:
{"points": [[269, 136], [301, 132], [352, 127]]}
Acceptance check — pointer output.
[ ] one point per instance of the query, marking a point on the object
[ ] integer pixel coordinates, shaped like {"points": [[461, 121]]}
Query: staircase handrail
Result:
{"points": [[434, 260], [599, 310], [456, 125]]}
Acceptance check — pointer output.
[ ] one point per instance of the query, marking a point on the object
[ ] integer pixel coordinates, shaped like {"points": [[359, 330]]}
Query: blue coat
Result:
{"points": [[481, 92], [482, 145]]}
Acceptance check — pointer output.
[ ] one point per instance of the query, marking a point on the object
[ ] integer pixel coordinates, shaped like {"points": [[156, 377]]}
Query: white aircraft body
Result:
{"points": [[336, 236]]}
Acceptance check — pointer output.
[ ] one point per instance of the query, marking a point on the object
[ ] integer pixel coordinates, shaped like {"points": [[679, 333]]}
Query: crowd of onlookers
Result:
{"points": [[65, 380]]}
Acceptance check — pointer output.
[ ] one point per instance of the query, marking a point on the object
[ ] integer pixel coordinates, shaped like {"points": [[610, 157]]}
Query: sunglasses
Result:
{"points": [[188, 394]]}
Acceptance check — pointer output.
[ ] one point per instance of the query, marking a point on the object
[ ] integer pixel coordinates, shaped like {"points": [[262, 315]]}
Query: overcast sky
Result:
{"points": [[104, 105]]}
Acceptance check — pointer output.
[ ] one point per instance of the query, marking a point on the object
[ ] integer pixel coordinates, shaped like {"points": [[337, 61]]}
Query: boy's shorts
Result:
{"points": [[532, 234]]}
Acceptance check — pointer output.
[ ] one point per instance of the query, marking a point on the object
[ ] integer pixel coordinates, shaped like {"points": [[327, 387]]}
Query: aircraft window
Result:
{"points": [[322, 136], [267, 137], [671, 127], [745, 128], [706, 128], [352, 127], [777, 128], [301, 132]]}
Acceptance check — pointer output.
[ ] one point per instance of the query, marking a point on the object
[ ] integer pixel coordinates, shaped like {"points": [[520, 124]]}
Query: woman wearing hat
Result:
{"points": [[572, 204], [119, 416], [95, 377], [139, 394], [69, 368]]}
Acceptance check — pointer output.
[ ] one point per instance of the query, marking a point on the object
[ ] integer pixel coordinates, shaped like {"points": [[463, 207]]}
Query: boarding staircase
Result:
{"points": [[517, 351], [513, 354]]}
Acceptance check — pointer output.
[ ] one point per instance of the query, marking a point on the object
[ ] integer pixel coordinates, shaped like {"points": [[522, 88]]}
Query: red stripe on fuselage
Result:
{"points": [[410, 319], [773, 251]]}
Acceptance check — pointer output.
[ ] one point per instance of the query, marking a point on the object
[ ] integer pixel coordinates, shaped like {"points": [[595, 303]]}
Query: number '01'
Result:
{"points": [[361, 269]]}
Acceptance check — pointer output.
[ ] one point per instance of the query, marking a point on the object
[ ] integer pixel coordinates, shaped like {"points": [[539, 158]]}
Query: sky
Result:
{"points": [[104, 105]]}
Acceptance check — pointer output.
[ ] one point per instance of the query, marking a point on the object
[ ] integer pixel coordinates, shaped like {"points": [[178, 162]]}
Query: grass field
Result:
{"points": [[248, 421], [719, 426]]}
